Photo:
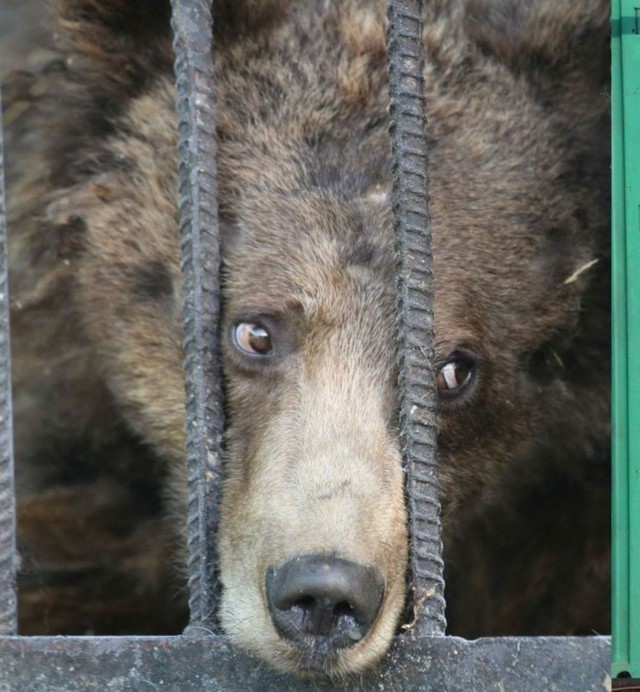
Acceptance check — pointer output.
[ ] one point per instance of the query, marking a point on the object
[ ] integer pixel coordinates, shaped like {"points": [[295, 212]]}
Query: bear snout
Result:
{"points": [[322, 603]]}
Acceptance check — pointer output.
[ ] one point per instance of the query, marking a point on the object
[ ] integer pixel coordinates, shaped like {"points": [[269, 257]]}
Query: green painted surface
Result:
{"points": [[625, 76]]}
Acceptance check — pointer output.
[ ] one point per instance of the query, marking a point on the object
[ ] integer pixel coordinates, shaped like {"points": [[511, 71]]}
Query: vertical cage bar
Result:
{"points": [[415, 311], [193, 43], [8, 601], [625, 279], [620, 500]]}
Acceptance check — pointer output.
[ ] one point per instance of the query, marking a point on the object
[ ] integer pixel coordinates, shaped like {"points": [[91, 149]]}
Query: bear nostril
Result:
{"points": [[320, 602]]}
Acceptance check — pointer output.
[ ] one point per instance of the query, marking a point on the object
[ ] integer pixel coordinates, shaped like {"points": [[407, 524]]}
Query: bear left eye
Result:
{"points": [[455, 375], [252, 339]]}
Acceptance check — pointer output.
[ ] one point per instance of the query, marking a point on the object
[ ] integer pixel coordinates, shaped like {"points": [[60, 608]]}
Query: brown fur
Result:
{"points": [[518, 121], [91, 563]]}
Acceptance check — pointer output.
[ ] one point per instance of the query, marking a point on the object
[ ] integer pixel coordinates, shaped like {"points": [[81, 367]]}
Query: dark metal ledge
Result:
{"points": [[509, 664]]}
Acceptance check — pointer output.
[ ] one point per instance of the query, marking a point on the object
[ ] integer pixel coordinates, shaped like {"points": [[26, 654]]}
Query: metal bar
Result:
{"points": [[620, 500], [8, 602], [193, 42], [516, 664], [415, 311], [626, 337]]}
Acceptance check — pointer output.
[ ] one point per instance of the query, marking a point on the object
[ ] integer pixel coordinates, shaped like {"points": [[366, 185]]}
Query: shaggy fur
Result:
{"points": [[518, 127]]}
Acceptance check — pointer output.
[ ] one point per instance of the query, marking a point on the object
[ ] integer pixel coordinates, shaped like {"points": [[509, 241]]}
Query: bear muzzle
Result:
{"points": [[321, 604]]}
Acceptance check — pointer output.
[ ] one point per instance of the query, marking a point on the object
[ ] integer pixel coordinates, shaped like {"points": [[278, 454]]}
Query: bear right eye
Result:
{"points": [[251, 339], [455, 375]]}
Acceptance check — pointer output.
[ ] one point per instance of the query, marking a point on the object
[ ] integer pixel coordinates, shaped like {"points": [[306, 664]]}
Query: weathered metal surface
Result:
{"points": [[626, 684], [8, 614], [38, 664], [200, 264], [415, 311]]}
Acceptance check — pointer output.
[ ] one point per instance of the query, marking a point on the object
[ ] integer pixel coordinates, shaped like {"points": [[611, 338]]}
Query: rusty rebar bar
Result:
{"points": [[418, 396], [8, 599], [193, 44]]}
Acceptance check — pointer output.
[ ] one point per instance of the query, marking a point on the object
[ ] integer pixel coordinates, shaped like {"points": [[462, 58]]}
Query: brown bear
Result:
{"points": [[313, 539]]}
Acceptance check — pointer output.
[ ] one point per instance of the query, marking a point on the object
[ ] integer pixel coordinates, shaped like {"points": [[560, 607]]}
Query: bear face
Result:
{"points": [[519, 200]]}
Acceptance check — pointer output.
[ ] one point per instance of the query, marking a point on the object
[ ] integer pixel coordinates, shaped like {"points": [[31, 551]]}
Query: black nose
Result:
{"points": [[323, 603]]}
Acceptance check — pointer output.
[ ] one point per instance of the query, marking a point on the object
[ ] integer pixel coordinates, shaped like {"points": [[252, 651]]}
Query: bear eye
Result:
{"points": [[252, 339], [455, 375]]}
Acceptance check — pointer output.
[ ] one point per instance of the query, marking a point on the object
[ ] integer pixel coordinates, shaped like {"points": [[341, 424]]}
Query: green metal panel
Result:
{"points": [[626, 335]]}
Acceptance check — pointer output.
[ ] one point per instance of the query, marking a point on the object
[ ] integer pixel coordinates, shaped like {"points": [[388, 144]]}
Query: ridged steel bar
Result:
{"points": [[410, 201], [188, 664], [193, 43], [8, 601]]}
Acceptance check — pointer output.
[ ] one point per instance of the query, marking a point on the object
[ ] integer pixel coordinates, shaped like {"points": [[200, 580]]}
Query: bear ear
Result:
{"points": [[547, 40], [126, 41], [113, 18], [102, 26], [115, 44]]}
